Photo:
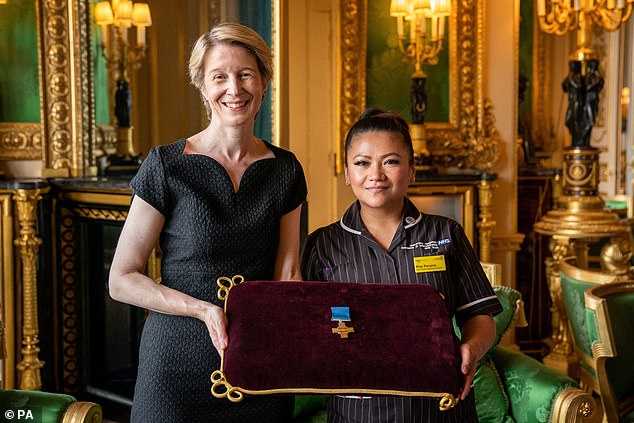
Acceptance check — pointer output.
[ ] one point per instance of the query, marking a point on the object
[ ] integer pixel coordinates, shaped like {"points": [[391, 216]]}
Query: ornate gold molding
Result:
{"points": [[485, 218], [105, 140], [103, 214], [469, 139], [507, 242], [574, 405], [351, 83], [20, 141], [66, 97], [68, 285], [27, 244]]}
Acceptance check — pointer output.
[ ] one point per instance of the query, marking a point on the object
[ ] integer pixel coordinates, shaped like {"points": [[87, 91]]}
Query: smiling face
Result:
{"points": [[233, 85], [379, 170]]}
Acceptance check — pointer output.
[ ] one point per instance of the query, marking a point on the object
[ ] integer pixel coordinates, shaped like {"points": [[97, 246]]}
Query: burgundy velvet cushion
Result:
{"points": [[281, 339]]}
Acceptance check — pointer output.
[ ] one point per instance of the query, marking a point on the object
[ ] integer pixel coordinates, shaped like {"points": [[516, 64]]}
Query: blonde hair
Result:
{"points": [[232, 34]]}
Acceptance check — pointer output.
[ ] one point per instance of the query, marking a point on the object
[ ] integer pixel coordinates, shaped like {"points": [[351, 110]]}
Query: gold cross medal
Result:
{"points": [[341, 315]]}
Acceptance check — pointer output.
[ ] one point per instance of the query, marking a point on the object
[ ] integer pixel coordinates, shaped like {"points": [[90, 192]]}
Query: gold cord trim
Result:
{"points": [[223, 389]]}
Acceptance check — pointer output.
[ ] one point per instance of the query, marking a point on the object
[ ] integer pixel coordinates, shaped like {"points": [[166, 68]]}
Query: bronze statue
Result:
{"points": [[583, 100], [418, 100], [594, 84], [573, 85], [122, 104]]}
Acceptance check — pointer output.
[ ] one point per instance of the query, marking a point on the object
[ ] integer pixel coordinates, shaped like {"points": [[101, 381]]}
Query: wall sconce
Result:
{"points": [[116, 17], [426, 22]]}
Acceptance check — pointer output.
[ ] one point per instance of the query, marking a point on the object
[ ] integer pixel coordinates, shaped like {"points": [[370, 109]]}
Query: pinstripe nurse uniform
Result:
{"points": [[345, 252]]}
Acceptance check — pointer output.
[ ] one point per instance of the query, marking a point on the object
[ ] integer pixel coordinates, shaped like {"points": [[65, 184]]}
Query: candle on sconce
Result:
{"points": [[541, 8], [399, 26], [140, 35], [441, 27], [434, 28], [105, 36], [577, 5], [412, 29]]}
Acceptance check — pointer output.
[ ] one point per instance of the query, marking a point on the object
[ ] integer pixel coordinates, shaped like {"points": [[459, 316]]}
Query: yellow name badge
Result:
{"points": [[429, 264]]}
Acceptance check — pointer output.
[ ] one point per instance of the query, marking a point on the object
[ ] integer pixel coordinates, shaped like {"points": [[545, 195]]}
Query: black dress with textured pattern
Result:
{"points": [[210, 231]]}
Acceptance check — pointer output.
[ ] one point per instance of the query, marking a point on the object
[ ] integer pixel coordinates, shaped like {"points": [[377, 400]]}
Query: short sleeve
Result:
{"points": [[150, 184], [299, 189], [475, 293], [309, 262]]}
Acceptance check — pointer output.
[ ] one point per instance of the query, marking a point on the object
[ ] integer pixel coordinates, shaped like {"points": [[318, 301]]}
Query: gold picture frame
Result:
{"points": [[469, 139]]}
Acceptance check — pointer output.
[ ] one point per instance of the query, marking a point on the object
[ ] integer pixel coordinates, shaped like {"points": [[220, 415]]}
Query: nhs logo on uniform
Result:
{"points": [[430, 245]]}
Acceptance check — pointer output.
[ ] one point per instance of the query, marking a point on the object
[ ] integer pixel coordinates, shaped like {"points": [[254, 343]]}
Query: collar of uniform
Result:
{"points": [[351, 220], [411, 215]]}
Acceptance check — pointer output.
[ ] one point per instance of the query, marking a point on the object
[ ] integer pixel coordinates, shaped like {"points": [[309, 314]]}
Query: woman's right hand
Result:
{"points": [[216, 321]]}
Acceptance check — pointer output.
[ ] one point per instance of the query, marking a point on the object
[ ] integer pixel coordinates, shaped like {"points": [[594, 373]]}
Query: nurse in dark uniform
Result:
{"points": [[384, 238], [218, 203]]}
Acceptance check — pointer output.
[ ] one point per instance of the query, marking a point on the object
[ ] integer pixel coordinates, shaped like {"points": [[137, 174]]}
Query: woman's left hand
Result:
{"points": [[468, 368], [478, 334]]}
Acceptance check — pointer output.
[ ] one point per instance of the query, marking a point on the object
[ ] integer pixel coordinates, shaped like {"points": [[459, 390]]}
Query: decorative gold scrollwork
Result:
{"points": [[225, 284], [447, 401], [223, 389]]}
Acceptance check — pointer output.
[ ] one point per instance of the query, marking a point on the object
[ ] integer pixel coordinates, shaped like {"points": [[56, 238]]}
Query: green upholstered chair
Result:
{"points": [[610, 316], [574, 282], [510, 386], [47, 407]]}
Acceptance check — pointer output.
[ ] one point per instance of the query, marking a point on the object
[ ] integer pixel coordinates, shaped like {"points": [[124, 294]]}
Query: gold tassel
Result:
{"points": [[520, 315]]}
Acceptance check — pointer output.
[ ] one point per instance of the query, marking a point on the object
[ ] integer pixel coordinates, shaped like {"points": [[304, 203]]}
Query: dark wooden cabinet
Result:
{"points": [[535, 197]]}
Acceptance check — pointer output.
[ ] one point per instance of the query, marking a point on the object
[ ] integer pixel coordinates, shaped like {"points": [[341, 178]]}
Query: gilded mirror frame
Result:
{"points": [[469, 139], [63, 139], [66, 96]]}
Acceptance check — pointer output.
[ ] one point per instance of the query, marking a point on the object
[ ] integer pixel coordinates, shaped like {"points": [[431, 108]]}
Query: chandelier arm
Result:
{"points": [[111, 57], [553, 27], [135, 56], [628, 12], [610, 20], [401, 47]]}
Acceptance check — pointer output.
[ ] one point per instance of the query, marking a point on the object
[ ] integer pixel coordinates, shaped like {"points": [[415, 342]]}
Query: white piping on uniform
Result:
{"points": [[349, 229], [420, 216], [462, 307]]}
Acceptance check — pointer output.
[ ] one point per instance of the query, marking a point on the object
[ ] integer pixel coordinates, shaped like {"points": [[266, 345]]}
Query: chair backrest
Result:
{"points": [[574, 282], [610, 314]]}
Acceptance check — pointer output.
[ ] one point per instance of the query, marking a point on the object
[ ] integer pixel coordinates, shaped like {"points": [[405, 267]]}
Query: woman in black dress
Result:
{"points": [[218, 203]]}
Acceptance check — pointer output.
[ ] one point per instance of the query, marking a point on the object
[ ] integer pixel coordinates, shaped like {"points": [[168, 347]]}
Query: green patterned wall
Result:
{"points": [[19, 81], [389, 79]]}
